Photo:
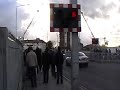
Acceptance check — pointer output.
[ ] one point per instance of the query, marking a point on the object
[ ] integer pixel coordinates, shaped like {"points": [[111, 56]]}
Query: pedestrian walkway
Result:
{"points": [[50, 86]]}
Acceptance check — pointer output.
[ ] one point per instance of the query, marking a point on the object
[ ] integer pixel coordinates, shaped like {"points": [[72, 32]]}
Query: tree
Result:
{"points": [[103, 46]]}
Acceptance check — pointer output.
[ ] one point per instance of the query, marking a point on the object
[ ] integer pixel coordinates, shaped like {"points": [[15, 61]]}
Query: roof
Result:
{"points": [[34, 41]]}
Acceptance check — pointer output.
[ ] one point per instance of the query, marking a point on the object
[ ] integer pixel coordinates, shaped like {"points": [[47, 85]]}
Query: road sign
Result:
{"points": [[95, 41], [65, 18]]}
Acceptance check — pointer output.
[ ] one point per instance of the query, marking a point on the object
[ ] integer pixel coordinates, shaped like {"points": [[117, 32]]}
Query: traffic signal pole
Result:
{"points": [[75, 64], [66, 17]]}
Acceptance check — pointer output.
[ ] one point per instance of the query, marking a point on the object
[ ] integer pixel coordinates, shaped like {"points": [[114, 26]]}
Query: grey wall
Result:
{"points": [[3, 53], [11, 65]]}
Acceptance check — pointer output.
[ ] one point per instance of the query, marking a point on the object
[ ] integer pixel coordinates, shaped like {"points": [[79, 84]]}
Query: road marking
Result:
{"points": [[67, 78], [81, 87]]}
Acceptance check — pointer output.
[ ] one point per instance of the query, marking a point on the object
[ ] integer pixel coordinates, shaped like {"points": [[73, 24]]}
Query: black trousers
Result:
{"points": [[59, 73], [39, 65], [45, 75], [32, 72]]}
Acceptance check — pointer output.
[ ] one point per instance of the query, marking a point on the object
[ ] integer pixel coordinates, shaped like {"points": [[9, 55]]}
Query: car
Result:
{"points": [[83, 59]]}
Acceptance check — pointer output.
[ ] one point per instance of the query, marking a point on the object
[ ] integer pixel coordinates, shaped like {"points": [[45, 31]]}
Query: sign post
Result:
{"points": [[75, 64], [66, 18]]}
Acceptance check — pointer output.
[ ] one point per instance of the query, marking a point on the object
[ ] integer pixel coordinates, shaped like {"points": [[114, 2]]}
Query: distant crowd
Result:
{"points": [[37, 61]]}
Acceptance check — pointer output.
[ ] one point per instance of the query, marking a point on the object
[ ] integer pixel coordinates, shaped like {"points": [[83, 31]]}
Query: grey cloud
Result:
{"points": [[85, 38], [59, 1], [119, 10], [8, 15], [118, 30], [89, 7], [108, 7]]}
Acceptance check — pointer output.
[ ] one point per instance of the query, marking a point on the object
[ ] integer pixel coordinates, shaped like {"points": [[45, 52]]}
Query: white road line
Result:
{"points": [[67, 78]]}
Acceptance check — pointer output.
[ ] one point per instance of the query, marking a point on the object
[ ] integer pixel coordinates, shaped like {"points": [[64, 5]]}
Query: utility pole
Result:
{"points": [[75, 64]]}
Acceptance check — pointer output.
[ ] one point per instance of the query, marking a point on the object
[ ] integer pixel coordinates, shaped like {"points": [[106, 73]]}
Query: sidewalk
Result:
{"points": [[50, 86]]}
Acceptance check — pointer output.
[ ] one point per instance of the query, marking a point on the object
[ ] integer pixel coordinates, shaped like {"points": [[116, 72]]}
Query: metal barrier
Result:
{"points": [[103, 57], [11, 61]]}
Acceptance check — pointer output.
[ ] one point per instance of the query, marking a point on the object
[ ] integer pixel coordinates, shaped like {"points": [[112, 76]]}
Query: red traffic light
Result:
{"points": [[95, 41], [74, 14], [65, 17]]}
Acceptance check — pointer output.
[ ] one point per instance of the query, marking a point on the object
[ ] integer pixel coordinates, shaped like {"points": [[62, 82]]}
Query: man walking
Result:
{"points": [[52, 62], [59, 64], [46, 65], [31, 60], [38, 53]]}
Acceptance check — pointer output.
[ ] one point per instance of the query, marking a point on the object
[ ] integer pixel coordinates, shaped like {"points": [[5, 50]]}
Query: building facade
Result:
{"points": [[34, 43]]}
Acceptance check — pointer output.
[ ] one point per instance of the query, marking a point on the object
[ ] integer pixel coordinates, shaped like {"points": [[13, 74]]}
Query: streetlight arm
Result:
{"points": [[22, 5], [88, 25], [27, 28]]}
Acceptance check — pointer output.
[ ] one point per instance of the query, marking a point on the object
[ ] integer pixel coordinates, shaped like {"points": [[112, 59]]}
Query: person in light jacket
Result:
{"points": [[31, 60]]}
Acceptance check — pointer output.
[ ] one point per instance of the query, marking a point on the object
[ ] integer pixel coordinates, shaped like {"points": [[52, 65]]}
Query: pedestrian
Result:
{"points": [[31, 60], [59, 64], [52, 62], [25, 54], [25, 63], [46, 65], [38, 53]]}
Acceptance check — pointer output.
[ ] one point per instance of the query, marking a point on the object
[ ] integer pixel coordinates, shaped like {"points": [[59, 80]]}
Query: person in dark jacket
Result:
{"points": [[46, 65], [38, 53], [25, 54], [59, 64], [52, 62], [25, 63]]}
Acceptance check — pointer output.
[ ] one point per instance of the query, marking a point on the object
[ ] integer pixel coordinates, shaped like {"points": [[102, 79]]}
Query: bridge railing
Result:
{"points": [[103, 57]]}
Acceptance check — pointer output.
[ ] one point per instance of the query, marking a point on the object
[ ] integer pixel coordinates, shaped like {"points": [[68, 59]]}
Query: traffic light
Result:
{"points": [[65, 17], [95, 41]]}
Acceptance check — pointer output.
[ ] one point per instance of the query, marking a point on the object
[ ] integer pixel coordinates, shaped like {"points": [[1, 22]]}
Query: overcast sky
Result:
{"points": [[103, 17]]}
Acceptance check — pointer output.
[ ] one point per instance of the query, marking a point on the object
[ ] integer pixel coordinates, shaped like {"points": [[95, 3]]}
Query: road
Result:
{"points": [[97, 76]]}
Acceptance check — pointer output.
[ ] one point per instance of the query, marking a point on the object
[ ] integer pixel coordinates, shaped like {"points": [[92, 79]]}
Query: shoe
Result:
{"points": [[57, 82]]}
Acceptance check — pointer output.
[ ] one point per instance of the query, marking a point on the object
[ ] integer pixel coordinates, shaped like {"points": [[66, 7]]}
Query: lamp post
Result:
{"points": [[16, 16]]}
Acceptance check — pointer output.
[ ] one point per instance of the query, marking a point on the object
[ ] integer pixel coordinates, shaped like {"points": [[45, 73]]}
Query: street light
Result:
{"points": [[16, 16]]}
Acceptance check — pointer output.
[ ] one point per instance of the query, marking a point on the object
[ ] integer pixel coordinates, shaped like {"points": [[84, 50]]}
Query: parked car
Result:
{"points": [[83, 59]]}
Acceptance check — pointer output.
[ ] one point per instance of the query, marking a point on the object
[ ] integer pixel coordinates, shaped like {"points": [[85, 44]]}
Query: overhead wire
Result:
{"points": [[29, 25], [88, 25]]}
